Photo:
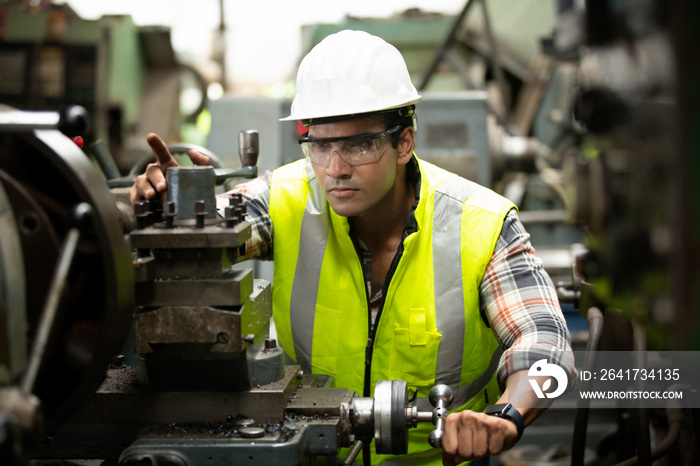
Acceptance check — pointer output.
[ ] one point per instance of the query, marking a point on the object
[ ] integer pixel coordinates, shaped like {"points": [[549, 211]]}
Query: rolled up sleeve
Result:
{"points": [[519, 301]]}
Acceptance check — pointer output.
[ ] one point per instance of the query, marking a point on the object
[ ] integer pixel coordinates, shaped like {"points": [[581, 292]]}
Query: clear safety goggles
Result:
{"points": [[361, 149]]}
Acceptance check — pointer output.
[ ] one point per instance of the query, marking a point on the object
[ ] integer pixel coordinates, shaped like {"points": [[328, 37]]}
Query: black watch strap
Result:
{"points": [[507, 411]]}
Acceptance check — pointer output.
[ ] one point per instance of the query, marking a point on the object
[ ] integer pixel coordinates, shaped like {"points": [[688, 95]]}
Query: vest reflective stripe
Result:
{"points": [[313, 238], [480, 209], [448, 282], [287, 205]]}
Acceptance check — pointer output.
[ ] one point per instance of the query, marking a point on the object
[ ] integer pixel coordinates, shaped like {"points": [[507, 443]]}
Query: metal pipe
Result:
{"points": [[675, 419], [566, 295], [578, 447], [639, 341]]}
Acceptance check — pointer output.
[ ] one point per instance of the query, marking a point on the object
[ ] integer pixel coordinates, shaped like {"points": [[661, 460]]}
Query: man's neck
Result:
{"points": [[385, 222]]}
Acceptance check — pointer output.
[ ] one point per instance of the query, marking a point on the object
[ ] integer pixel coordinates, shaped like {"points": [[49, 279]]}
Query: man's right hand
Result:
{"points": [[153, 180]]}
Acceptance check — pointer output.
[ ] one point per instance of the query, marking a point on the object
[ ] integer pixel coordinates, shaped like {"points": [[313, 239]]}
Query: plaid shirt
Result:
{"points": [[517, 297]]}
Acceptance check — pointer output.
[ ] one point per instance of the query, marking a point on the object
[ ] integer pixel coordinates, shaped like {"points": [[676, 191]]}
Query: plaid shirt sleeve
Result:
{"points": [[256, 195], [520, 303]]}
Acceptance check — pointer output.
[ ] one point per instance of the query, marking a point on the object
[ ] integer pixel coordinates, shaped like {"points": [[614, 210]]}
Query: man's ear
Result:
{"points": [[406, 144]]}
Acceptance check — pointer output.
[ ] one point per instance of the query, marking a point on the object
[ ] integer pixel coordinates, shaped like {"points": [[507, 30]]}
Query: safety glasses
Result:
{"points": [[361, 149]]}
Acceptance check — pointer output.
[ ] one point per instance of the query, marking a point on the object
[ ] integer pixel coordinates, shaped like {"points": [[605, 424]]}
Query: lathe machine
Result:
{"points": [[124, 339]]}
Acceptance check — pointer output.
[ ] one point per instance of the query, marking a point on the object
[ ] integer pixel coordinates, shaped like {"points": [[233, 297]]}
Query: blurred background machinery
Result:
{"points": [[127, 77]]}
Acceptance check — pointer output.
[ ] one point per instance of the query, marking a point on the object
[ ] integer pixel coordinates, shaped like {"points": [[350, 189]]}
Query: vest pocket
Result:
{"points": [[414, 350]]}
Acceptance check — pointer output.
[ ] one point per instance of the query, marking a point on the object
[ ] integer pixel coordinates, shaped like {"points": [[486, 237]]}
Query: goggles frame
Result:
{"points": [[305, 140]]}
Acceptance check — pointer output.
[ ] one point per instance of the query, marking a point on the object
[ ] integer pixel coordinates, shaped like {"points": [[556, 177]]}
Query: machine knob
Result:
{"points": [[441, 398], [74, 121], [248, 147], [435, 438]]}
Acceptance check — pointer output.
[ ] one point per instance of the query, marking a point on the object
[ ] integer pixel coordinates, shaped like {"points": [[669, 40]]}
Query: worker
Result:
{"points": [[389, 268]]}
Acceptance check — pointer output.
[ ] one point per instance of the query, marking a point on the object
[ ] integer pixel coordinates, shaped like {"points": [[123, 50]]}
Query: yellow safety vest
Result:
{"points": [[430, 329]]}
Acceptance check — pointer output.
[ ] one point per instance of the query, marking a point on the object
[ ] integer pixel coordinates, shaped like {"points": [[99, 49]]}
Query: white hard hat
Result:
{"points": [[349, 73]]}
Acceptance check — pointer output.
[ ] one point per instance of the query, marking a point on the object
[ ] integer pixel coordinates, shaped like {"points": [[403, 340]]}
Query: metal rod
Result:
{"points": [[48, 315], [446, 42], [497, 70], [530, 217], [223, 174], [105, 160], [356, 449], [222, 43], [642, 425]]}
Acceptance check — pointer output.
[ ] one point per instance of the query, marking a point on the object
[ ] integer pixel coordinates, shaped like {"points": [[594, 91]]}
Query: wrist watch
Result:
{"points": [[507, 411]]}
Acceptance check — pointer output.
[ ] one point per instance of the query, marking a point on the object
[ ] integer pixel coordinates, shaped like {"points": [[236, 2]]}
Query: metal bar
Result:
{"points": [[223, 174], [446, 42], [356, 449], [105, 160], [498, 71], [641, 414], [48, 315], [460, 64], [17, 120], [533, 217]]}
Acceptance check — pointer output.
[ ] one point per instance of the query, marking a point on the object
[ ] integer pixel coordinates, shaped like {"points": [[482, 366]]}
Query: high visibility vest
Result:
{"points": [[430, 329]]}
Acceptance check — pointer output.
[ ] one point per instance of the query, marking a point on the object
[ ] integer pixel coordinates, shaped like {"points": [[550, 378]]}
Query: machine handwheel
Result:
{"points": [[390, 426]]}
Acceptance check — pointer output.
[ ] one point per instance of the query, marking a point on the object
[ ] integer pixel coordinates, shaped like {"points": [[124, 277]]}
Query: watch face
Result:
{"points": [[507, 411], [495, 409]]}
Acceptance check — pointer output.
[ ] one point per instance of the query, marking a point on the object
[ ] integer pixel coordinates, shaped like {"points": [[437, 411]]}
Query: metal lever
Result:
{"points": [[248, 150], [441, 398], [223, 174], [81, 215]]}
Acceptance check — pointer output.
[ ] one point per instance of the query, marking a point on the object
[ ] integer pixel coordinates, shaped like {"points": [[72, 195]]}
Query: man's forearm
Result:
{"points": [[520, 394]]}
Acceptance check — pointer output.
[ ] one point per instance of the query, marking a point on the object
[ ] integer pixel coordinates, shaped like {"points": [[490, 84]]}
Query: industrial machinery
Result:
{"points": [[629, 175], [207, 384]]}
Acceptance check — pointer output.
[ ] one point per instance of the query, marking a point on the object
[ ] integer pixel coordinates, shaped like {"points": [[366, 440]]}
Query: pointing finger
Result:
{"points": [[160, 149]]}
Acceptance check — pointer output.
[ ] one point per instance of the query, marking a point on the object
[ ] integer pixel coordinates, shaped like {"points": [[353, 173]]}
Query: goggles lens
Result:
{"points": [[361, 149]]}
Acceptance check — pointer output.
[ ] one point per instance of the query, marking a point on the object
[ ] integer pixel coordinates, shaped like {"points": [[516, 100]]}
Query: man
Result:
{"points": [[387, 267]]}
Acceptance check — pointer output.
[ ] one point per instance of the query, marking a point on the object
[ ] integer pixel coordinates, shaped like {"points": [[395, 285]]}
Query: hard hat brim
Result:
{"points": [[349, 114]]}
